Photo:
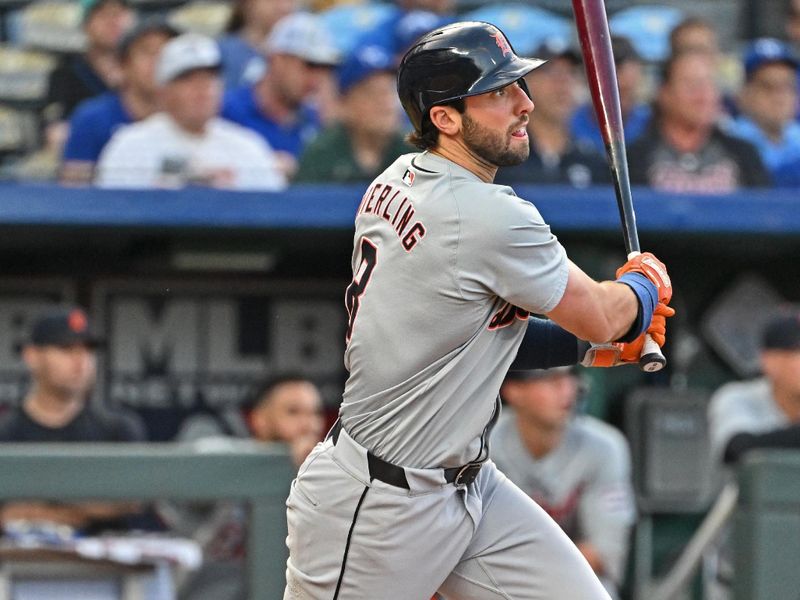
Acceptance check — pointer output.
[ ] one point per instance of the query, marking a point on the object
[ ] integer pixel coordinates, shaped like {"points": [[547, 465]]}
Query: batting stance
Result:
{"points": [[401, 500]]}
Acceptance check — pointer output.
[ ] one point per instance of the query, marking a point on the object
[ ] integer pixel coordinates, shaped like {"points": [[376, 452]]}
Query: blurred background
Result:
{"points": [[183, 177]]}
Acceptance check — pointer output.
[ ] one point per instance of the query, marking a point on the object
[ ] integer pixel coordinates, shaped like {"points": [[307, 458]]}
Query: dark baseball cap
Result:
{"points": [[151, 24], [782, 332], [65, 326], [534, 374]]}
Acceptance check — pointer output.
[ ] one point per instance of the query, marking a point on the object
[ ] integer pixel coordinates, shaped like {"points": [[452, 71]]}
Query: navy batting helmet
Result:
{"points": [[455, 61]]}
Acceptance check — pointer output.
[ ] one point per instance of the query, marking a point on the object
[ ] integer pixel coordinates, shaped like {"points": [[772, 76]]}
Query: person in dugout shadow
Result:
{"points": [[60, 355]]}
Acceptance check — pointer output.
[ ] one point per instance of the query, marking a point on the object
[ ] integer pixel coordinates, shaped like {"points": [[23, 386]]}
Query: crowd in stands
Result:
{"points": [[322, 103]]}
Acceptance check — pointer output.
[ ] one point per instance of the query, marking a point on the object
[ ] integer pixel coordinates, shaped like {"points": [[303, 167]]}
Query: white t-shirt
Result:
{"points": [[156, 152]]}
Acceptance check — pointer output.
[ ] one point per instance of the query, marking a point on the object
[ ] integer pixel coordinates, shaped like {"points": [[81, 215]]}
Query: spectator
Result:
{"points": [[576, 467], [301, 54], [694, 34], [368, 138], [81, 76], [97, 69], [96, 119], [250, 23], [60, 355], [635, 113], [187, 143], [761, 413], [684, 150], [793, 23], [555, 155], [286, 409], [768, 103]]}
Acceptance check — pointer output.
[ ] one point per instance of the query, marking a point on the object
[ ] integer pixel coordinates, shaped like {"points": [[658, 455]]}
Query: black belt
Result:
{"points": [[393, 475]]}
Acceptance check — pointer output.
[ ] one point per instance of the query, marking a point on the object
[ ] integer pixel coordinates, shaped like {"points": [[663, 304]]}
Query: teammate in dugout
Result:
{"points": [[401, 500]]}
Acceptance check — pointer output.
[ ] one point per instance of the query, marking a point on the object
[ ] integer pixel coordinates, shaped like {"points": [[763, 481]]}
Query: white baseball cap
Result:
{"points": [[304, 35], [186, 53]]}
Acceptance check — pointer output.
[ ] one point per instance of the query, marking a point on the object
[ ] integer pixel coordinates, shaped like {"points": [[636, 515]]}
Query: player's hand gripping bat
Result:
{"points": [[595, 39]]}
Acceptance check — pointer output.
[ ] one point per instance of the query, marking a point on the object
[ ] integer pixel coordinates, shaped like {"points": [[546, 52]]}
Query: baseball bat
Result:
{"points": [[598, 58]]}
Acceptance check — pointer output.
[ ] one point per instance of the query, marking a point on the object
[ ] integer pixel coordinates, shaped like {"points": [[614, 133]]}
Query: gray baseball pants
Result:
{"points": [[355, 539]]}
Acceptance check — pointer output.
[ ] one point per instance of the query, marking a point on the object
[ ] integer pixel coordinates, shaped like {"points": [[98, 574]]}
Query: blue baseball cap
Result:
{"points": [[765, 51], [362, 63]]}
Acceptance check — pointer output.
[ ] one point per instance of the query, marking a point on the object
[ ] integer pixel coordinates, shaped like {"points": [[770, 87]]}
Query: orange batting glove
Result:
{"points": [[652, 268], [617, 353]]}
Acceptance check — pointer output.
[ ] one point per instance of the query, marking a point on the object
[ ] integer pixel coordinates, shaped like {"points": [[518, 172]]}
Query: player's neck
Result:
{"points": [[457, 152], [50, 409], [538, 440]]}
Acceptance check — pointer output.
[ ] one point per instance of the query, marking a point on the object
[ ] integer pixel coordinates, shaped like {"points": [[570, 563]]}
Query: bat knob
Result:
{"points": [[652, 359]]}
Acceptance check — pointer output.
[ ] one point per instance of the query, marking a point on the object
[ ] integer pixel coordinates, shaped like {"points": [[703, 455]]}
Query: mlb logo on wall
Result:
{"points": [[178, 347], [408, 178]]}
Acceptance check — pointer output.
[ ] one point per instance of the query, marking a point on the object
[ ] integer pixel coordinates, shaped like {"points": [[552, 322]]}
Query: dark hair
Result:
{"points": [[267, 386], [428, 138], [236, 20]]}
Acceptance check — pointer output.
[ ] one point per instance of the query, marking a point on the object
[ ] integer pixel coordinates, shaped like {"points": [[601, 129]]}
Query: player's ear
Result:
{"points": [[446, 119]]}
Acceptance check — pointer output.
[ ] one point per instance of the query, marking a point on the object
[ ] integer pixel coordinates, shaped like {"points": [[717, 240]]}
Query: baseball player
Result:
{"points": [[576, 467], [401, 500]]}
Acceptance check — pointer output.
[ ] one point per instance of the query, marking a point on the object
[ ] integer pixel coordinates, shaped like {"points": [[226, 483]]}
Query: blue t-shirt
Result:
{"points": [[241, 63], [788, 175], [240, 107], [584, 126], [92, 124], [774, 155]]}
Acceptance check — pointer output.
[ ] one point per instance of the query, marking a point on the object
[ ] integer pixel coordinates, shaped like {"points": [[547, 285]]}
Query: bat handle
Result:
{"points": [[651, 359]]}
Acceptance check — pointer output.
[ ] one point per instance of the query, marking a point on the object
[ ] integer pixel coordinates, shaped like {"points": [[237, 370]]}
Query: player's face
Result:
{"points": [[293, 412], [494, 125], [548, 402], [67, 371], [782, 368]]}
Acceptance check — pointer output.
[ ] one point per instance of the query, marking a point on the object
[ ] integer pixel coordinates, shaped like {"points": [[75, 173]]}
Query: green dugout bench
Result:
{"points": [[259, 474]]}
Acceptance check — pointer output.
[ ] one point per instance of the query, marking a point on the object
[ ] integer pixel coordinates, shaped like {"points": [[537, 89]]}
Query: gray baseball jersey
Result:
{"points": [[742, 407], [584, 484], [445, 269], [737, 407]]}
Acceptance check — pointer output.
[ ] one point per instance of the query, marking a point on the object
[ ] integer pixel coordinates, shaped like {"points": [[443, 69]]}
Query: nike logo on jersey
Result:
{"points": [[386, 202]]}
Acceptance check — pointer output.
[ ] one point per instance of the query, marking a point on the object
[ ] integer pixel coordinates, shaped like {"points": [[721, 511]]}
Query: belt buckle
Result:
{"points": [[467, 474]]}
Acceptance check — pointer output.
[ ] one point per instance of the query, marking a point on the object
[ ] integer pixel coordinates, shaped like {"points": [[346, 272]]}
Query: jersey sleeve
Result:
{"points": [[607, 508], [505, 248], [728, 414]]}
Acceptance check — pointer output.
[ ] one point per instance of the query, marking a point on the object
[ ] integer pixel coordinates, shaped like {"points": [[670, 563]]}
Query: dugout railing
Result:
{"points": [[259, 474]]}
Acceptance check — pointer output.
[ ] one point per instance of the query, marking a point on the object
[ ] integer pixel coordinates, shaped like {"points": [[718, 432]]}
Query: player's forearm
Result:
{"points": [[598, 312]]}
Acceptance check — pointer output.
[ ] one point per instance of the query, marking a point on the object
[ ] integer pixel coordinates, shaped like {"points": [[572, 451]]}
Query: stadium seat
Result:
{"points": [[648, 28], [348, 22], [23, 74], [48, 25], [208, 18], [18, 130], [526, 26]]}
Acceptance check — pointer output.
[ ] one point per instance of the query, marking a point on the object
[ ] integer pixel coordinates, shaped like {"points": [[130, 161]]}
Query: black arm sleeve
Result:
{"points": [[739, 444], [547, 345]]}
